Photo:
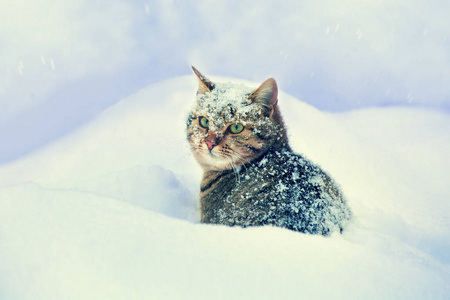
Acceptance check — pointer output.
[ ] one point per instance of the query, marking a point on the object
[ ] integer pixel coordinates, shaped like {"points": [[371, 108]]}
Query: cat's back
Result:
{"points": [[281, 189]]}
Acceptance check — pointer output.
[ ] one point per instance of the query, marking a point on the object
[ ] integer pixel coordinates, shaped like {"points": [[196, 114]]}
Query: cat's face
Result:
{"points": [[227, 128]]}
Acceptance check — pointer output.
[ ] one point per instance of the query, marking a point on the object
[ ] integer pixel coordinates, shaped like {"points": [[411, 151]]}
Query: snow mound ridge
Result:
{"points": [[110, 211]]}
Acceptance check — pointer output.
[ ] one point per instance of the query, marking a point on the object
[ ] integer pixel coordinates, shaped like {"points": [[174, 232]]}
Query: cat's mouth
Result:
{"points": [[215, 153], [220, 156], [216, 159]]}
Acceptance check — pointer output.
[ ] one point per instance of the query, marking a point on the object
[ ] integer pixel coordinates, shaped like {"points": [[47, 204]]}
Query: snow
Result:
{"points": [[226, 103], [110, 210]]}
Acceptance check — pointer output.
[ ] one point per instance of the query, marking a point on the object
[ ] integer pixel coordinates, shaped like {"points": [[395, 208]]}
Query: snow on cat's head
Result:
{"points": [[231, 124]]}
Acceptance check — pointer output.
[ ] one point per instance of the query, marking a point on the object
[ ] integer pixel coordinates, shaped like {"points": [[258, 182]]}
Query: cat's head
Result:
{"points": [[232, 124]]}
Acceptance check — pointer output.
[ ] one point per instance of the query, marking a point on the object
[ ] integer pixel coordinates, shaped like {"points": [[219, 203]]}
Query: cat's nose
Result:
{"points": [[210, 144]]}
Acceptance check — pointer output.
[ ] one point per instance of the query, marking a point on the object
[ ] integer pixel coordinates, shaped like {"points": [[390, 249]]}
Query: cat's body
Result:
{"points": [[251, 176]]}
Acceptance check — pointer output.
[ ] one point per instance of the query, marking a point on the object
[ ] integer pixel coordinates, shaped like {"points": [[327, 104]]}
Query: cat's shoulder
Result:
{"points": [[290, 169], [285, 161]]}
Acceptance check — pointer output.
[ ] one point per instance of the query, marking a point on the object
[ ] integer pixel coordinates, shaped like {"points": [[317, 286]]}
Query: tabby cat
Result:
{"points": [[251, 176]]}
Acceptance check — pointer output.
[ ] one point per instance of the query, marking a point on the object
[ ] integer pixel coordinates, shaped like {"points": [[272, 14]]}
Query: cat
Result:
{"points": [[251, 176]]}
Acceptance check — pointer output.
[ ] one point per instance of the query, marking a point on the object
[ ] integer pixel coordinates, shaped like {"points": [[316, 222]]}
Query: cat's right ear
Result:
{"points": [[266, 95], [204, 84]]}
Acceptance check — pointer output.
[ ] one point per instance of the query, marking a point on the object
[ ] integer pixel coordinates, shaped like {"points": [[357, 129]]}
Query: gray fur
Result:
{"points": [[282, 189], [253, 178]]}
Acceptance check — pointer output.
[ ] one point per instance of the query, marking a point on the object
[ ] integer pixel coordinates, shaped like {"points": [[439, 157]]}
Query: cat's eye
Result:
{"points": [[204, 122], [236, 128]]}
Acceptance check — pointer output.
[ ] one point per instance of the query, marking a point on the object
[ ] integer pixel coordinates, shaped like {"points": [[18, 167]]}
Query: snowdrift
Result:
{"points": [[110, 211]]}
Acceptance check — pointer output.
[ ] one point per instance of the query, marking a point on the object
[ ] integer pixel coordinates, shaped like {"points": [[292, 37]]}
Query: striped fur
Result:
{"points": [[252, 177]]}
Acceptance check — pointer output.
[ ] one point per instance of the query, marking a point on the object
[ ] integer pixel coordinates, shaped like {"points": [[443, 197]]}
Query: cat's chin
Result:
{"points": [[213, 162]]}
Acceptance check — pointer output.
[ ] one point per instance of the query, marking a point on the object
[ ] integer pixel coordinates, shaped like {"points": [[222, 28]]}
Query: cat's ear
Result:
{"points": [[266, 94], [204, 84]]}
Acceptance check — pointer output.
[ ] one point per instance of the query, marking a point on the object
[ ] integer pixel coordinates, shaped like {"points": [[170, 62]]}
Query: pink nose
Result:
{"points": [[210, 144]]}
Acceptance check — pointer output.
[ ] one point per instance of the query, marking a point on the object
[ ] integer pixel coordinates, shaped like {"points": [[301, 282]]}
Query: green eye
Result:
{"points": [[236, 128], [204, 122]]}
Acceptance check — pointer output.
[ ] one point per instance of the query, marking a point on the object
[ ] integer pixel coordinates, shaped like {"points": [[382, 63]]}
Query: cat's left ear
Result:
{"points": [[204, 84], [266, 94]]}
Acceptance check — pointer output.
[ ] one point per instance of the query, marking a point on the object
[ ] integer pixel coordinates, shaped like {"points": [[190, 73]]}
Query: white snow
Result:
{"points": [[110, 211]]}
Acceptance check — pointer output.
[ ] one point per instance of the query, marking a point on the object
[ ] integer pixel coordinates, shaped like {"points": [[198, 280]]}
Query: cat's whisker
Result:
{"points": [[238, 157], [235, 170], [178, 142], [187, 150], [186, 147]]}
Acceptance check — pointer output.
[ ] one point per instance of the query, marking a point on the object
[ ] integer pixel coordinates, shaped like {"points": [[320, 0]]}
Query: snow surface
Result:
{"points": [[110, 211]]}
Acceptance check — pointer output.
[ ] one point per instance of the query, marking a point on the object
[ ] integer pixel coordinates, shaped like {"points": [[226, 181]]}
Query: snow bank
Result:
{"points": [[111, 211]]}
